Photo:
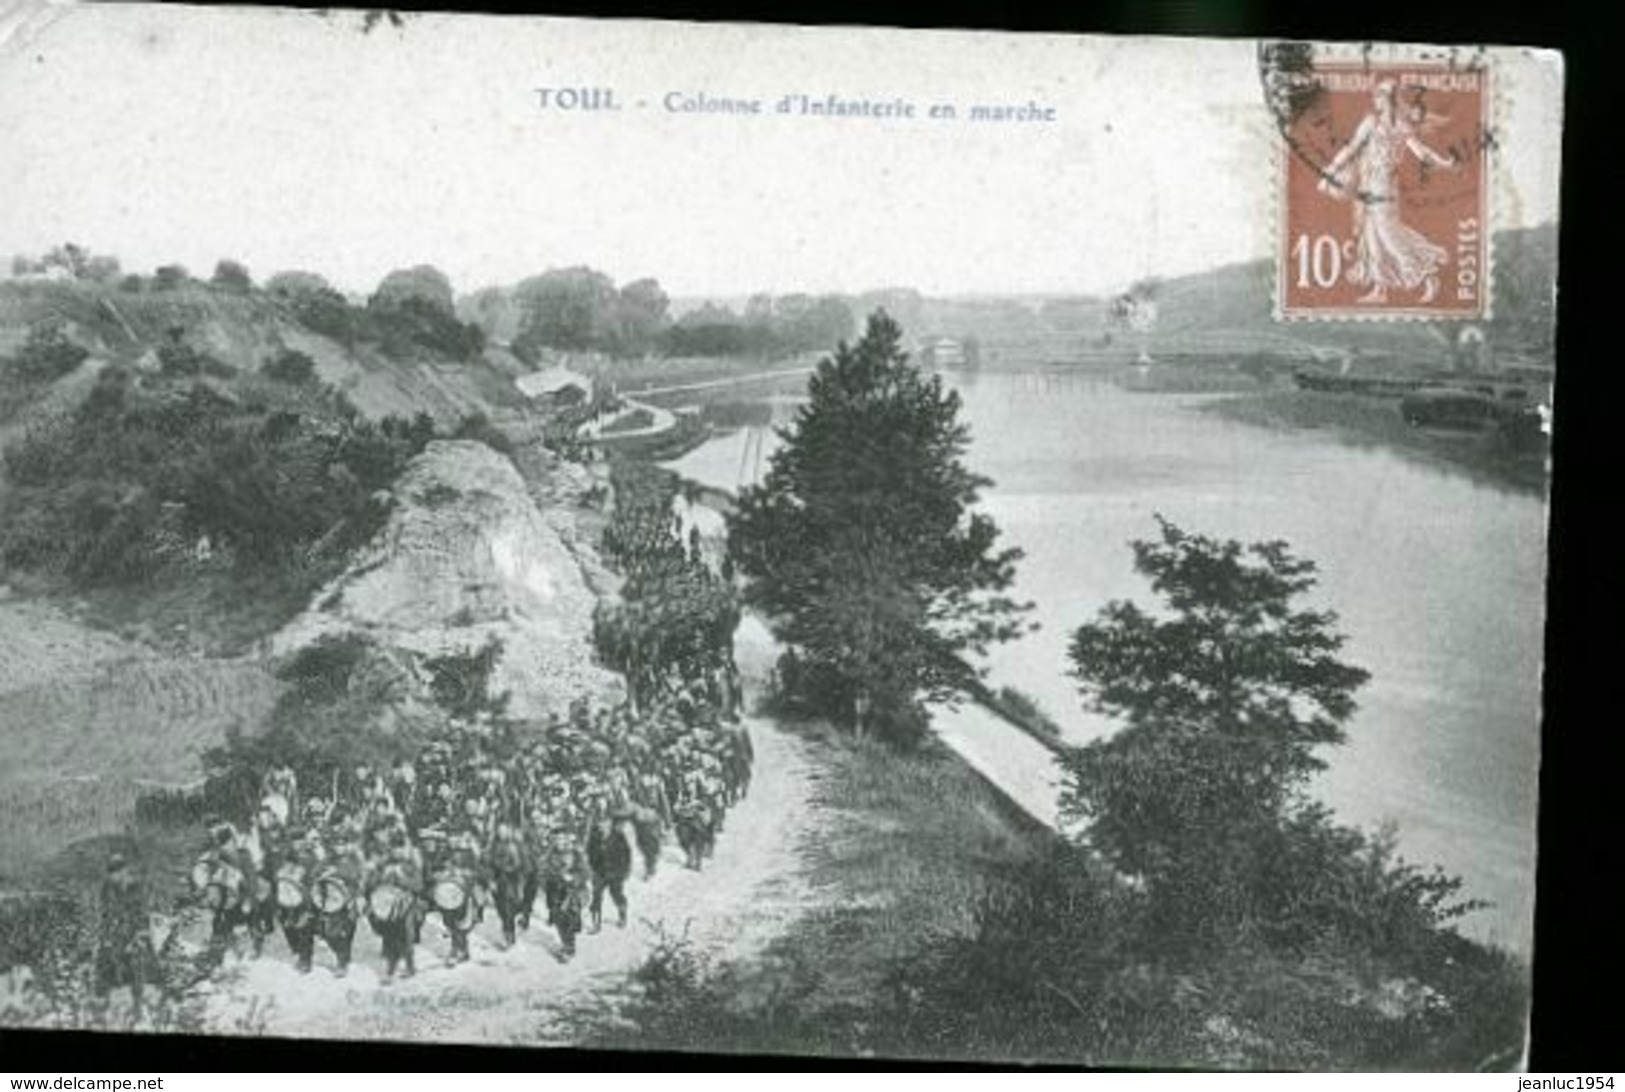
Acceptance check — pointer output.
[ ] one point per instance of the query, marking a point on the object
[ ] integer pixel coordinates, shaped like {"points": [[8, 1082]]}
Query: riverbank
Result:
{"points": [[942, 925], [1362, 421]]}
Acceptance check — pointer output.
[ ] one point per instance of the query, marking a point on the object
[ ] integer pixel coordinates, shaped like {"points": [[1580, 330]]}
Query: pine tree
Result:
{"points": [[861, 548]]}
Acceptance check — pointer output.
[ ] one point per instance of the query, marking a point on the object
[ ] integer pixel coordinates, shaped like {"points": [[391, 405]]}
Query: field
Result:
{"points": [[87, 719]]}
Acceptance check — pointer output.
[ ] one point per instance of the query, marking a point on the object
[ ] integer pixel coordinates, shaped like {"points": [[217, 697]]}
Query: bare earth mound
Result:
{"points": [[465, 557]]}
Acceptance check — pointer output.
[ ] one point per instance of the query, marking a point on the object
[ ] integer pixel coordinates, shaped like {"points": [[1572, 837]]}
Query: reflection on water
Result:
{"points": [[1438, 581]]}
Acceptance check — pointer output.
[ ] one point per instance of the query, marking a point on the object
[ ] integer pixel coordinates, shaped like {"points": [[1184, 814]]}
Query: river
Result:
{"points": [[1438, 581]]}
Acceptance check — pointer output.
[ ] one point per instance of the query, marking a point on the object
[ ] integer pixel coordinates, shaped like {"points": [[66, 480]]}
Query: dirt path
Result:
{"points": [[726, 381], [747, 894]]}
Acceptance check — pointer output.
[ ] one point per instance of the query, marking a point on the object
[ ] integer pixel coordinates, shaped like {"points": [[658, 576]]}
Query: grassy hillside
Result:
{"points": [[243, 329]]}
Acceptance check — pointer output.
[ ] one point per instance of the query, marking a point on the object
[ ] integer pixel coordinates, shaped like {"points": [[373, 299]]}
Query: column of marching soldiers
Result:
{"points": [[493, 815], [487, 817]]}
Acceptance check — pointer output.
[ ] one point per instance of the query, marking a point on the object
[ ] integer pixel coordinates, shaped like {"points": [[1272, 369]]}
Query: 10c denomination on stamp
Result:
{"points": [[1384, 209]]}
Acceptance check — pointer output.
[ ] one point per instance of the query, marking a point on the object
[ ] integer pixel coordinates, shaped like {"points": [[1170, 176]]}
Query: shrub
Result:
{"points": [[64, 987], [105, 493], [47, 355], [477, 426], [290, 366], [324, 724], [460, 682]]}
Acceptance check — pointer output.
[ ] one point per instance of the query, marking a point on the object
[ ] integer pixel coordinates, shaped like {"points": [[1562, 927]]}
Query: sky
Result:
{"points": [[289, 140]]}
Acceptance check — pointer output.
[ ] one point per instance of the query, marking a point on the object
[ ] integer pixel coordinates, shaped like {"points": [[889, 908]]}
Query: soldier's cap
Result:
{"points": [[116, 862]]}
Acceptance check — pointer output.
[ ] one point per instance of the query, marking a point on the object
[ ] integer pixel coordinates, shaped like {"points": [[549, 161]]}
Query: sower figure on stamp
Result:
{"points": [[1388, 252]]}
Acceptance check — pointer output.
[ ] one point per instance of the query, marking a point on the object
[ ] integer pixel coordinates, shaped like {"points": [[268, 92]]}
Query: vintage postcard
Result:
{"points": [[770, 539]]}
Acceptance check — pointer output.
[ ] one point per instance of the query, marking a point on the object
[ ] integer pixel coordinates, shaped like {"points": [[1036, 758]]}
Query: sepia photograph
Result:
{"points": [[766, 540]]}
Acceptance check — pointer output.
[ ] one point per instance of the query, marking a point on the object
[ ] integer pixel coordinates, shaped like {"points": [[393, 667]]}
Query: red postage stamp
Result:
{"points": [[1384, 211]]}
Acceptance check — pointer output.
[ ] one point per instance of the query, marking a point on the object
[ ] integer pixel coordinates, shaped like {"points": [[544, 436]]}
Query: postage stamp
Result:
{"points": [[1385, 185]]}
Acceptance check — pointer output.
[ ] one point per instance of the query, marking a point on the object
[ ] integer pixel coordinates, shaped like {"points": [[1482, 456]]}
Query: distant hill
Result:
{"points": [[1223, 310], [1230, 309], [1233, 305]]}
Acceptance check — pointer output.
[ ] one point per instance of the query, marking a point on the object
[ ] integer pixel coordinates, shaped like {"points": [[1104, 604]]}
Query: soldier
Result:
{"points": [[537, 831], [733, 689], [343, 875], [360, 784], [436, 851], [403, 785], [616, 788], [740, 758], [512, 871], [479, 815], [232, 880], [375, 795], [393, 887], [695, 818], [651, 815], [124, 951], [270, 840], [345, 856], [464, 869], [610, 859], [295, 877], [437, 804], [713, 790], [280, 781], [317, 814], [565, 878]]}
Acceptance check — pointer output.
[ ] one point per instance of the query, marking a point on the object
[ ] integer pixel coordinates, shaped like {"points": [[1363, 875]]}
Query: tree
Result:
{"points": [[861, 546], [168, 277], [293, 283], [493, 310], [71, 257], [290, 366], [314, 303], [565, 309], [417, 308], [805, 323], [232, 275], [641, 316], [1225, 698], [906, 305], [421, 283]]}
